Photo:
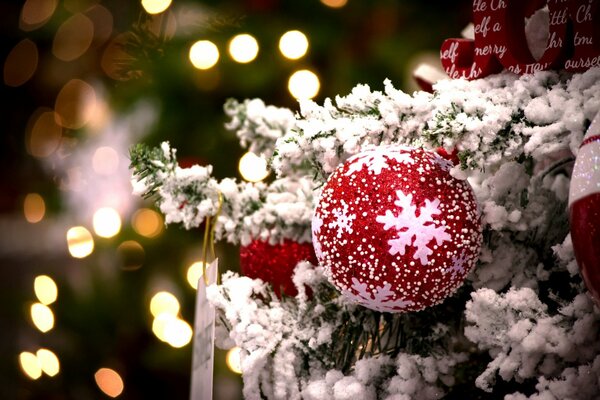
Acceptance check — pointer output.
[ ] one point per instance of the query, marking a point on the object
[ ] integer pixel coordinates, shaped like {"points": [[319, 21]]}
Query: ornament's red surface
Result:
{"points": [[275, 263], [395, 231], [585, 233]]}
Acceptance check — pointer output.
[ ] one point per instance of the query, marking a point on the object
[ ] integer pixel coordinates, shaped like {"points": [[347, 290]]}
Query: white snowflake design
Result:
{"points": [[376, 160], [380, 299], [458, 264], [343, 220], [317, 223], [409, 226]]}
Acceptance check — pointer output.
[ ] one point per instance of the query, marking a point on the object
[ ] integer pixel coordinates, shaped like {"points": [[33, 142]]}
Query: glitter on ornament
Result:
{"points": [[275, 263], [395, 231]]}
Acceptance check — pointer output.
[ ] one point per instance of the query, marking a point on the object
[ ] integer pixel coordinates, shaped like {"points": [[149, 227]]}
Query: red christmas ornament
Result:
{"points": [[395, 231], [275, 263], [584, 206]]}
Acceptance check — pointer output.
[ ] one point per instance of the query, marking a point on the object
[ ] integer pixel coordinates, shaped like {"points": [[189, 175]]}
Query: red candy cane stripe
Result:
{"points": [[590, 140]]}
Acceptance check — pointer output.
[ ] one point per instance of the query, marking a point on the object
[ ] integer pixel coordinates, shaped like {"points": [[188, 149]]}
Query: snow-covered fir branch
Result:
{"points": [[245, 211]]}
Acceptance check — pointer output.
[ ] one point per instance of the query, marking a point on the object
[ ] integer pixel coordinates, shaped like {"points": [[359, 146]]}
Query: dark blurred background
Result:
{"points": [[81, 258]]}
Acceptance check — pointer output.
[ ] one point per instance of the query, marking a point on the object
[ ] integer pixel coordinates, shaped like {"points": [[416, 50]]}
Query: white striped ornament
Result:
{"points": [[584, 207]]}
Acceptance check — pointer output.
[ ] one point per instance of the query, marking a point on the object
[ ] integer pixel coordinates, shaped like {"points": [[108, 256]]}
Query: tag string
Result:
{"points": [[209, 238]]}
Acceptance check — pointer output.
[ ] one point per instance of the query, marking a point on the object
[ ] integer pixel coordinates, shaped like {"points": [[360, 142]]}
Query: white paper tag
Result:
{"points": [[204, 339]]}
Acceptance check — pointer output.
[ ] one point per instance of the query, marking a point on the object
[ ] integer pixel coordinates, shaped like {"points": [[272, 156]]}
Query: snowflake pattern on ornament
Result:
{"points": [[377, 160], [380, 299], [408, 225], [395, 231]]}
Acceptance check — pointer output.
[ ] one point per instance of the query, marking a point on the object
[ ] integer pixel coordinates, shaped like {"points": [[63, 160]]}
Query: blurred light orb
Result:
{"points": [[80, 242], [204, 54], [48, 362], [105, 160], [155, 6], [109, 382], [132, 255], [159, 325], [44, 135], [45, 289], [147, 222], [73, 37], [34, 208], [334, 3], [21, 63], [178, 333], [35, 13], [30, 365], [107, 222], [233, 360], [253, 168], [194, 273], [293, 44], [304, 84], [76, 104], [164, 303], [42, 317], [243, 48]]}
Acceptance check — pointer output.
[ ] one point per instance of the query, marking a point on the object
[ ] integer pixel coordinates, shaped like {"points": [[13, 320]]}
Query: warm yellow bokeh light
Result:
{"points": [[194, 273], [233, 360], [42, 317], [76, 104], [109, 381], [30, 365], [35, 13], [178, 333], [253, 168], [48, 361], [159, 325], [21, 63], [243, 48], [132, 255], [73, 37], [44, 133], [334, 3], [164, 302], [80, 242], [107, 222], [34, 208], [155, 6], [147, 222], [293, 44], [304, 84], [45, 289], [105, 160], [204, 54]]}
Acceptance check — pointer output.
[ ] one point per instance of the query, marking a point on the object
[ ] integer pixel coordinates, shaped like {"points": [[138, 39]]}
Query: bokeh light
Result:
{"points": [[34, 208], [253, 168], [36, 13], [293, 44], [105, 160], [334, 3], [76, 104], [194, 273], [233, 360], [30, 365], [42, 317], [155, 6], [109, 381], [132, 255], [159, 325], [21, 63], [73, 37], [80, 242], [48, 362], [45, 289], [204, 54], [107, 222], [304, 84], [44, 134], [178, 333], [164, 303], [147, 222], [243, 48]]}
